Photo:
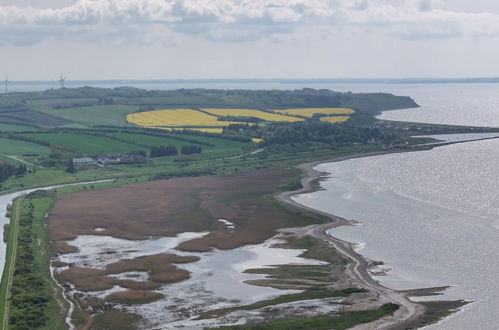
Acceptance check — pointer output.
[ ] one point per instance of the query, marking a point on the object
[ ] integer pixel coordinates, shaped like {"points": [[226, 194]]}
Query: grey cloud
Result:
{"points": [[233, 20]]}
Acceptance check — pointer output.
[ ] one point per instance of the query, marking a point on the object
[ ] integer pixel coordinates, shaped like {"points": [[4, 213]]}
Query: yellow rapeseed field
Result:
{"points": [[309, 112], [175, 118], [252, 113], [335, 119]]}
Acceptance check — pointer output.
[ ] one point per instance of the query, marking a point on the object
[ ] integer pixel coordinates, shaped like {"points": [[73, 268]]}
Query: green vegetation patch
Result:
{"points": [[94, 115], [33, 303], [317, 293], [42, 177], [152, 141], [33, 118], [86, 144], [339, 322], [18, 148], [219, 143], [15, 128]]}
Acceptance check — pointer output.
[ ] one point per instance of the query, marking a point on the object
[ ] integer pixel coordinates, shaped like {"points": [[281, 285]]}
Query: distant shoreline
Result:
{"points": [[232, 84], [479, 80]]}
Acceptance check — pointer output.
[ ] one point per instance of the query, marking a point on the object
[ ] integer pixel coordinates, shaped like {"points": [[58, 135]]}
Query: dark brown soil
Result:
{"points": [[160, 268], [63, 247]]}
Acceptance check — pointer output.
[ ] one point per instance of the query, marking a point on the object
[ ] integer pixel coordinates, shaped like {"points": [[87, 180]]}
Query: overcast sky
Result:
{"points": [[182, 39]]}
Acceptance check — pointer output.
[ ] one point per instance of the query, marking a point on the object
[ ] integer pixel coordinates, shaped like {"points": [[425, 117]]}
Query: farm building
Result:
{"points": [[119, 159], [82, 161]]}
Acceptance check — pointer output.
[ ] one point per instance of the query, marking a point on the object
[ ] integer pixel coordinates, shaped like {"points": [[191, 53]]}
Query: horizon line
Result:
{"points": [[367, 79]]}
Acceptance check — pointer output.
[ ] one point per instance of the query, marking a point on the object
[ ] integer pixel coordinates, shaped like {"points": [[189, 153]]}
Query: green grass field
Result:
{"points": [[42, 260], [37, 103], [151, 141], [219, 143], [16, 147], [9, 264], [42, 177], [15, 128], [94, 115], [86, 144]]}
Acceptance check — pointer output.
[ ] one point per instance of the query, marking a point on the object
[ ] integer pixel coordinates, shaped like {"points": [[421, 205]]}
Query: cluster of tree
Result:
{"points": [[182, 173], [73, 105], [71, 168], [106, 100], [58, 157], [7, 170], [189, 150], [240, 127], [161, 151], [30, 293], [316, 131], [240, 119], [26, 138], [141, 153]]}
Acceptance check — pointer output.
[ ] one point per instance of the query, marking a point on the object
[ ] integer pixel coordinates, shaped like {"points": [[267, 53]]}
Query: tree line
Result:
{"points": [[31, 293], [7, 170], [161, 151]]}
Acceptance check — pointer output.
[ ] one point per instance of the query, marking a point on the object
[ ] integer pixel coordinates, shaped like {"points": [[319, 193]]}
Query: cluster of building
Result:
{"points": [[106, 159]]}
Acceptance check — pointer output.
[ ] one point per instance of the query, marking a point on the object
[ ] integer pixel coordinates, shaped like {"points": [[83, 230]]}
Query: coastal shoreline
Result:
{"points": [[411, 314]]}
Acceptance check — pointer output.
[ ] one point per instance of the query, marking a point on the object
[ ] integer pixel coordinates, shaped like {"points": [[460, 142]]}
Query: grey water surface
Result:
{"points": [[431, 216]]}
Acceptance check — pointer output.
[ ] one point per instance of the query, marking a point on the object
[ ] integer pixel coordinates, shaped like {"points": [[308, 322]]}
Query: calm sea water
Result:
{"points": [[432, 216]]}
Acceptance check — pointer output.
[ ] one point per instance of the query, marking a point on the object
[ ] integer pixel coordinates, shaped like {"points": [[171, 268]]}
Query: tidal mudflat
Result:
{"points": [[169, 250], [216, 280]]}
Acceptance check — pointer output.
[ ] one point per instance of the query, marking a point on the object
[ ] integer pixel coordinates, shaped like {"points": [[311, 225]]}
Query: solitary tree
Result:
{"points": [[71, 167]]}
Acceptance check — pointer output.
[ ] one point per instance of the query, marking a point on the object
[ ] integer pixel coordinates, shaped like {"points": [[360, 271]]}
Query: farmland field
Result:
{"points": [[15, 128], [17, 148], [266, 116], [151, 141], [175, 118], [31, 117], [335, 119], [94, 115], [85, 143], [309, 112], [219, 143], [54, 101]]}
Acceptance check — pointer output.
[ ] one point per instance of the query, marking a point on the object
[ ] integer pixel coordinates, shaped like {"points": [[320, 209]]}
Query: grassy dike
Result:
{"points": [[9, 264], [32, 301]]}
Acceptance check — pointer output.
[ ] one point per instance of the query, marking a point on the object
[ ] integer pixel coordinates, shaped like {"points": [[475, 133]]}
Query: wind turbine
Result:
{"points": [[6, 83], [62, 79]]}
